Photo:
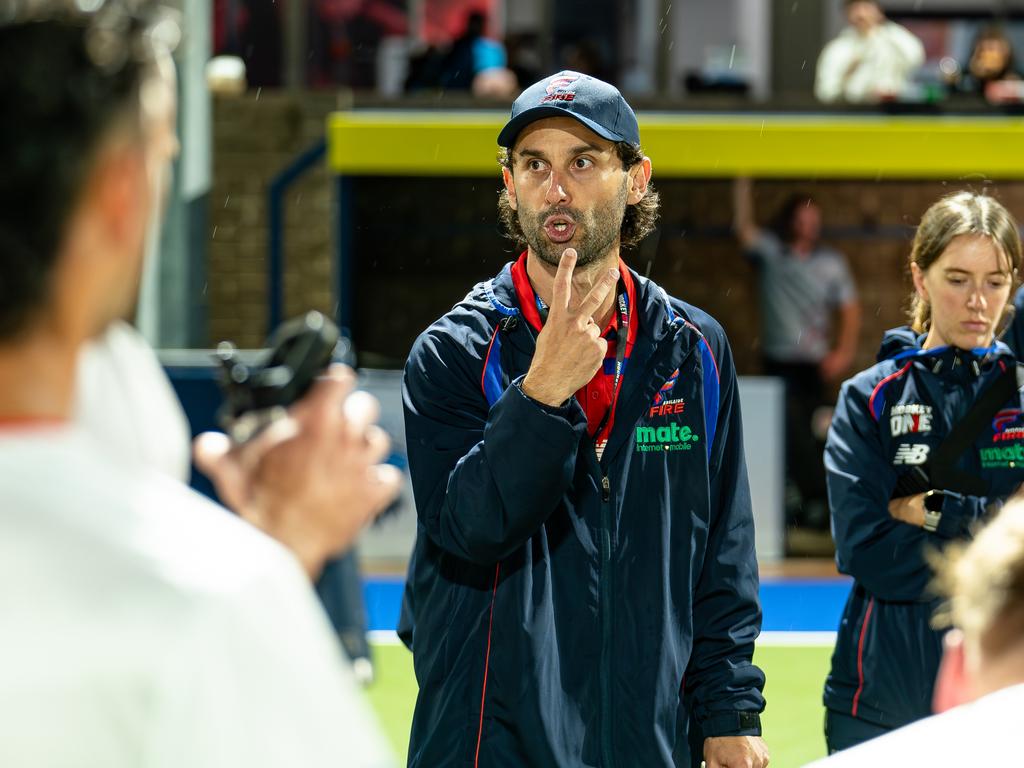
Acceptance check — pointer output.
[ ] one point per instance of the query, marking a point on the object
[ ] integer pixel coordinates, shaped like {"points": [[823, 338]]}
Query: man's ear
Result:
{"points": [[639, 178], [952, 684], [510, 187], [119, 191]]}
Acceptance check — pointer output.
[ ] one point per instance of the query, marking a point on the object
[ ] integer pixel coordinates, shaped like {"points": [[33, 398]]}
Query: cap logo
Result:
{"points": [[558, 89]]}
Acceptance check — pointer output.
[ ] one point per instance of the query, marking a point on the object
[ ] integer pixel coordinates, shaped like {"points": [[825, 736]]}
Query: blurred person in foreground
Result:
{"points": [[584, 585], [803, 283], [979, 694], [871, 60], [142, 625], [923, 445]]}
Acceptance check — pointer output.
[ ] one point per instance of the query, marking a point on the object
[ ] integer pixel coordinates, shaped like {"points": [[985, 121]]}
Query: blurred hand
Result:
{"points": [[312, 480], [735, 752], [834, 366]]}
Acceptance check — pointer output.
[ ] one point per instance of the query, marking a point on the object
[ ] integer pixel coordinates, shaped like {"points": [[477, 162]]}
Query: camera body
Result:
{"points": [[256, 395]]}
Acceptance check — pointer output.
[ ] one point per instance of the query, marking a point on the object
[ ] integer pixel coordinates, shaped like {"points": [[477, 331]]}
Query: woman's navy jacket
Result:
{"points": [[561, 610], [889, 420]]}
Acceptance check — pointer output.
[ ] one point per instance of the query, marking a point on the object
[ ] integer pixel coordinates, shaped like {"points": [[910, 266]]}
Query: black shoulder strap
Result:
{"points": [[940, 470]]}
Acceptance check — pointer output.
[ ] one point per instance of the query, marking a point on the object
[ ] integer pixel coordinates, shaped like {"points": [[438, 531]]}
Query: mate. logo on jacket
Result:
{"points": [[662, 428]]}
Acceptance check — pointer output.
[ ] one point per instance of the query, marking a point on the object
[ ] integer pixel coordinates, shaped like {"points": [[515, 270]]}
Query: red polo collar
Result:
{"points": [[528, 299]]}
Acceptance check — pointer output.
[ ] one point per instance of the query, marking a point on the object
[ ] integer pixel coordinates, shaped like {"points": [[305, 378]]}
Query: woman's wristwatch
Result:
{"points": [[933, 501]]}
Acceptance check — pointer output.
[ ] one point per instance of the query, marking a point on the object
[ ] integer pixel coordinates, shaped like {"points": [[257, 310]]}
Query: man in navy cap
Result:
{"points": [[583, 590]]}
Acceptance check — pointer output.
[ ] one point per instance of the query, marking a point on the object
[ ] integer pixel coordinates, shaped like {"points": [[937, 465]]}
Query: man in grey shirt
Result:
{"points": [[802, 284]]}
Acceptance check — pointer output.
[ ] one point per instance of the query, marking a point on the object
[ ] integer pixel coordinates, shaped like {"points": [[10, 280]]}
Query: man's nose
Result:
{"points": [[556, 192]]}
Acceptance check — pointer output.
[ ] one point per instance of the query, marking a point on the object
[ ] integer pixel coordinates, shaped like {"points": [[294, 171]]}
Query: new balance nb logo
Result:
{"points": [[912, 454]]}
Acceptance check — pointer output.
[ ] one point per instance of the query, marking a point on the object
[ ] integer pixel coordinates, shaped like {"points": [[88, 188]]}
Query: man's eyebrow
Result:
{"points": [[531, 153], [579, 149], [584, 148]]}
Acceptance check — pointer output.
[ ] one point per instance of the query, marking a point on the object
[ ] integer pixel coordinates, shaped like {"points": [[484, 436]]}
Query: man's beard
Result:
{"points": [[597, 231]]}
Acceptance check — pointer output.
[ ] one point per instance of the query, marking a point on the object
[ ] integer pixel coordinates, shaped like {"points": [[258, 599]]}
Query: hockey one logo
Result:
{"points": [[668, 437], [911, 454], [558, 89], [909, 419]]}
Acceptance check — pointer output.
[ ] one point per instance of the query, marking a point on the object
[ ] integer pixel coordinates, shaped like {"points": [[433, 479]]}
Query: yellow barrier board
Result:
{"points": [[422, 143]]}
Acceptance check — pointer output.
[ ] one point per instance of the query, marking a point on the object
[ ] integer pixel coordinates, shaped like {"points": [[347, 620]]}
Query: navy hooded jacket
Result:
{"points": [[561, 609], [1014, 336], [888, 420]]}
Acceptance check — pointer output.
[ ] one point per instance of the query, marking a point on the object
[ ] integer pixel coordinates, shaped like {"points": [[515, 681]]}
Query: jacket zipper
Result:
{"points": [[605, 590], [605, 603]]}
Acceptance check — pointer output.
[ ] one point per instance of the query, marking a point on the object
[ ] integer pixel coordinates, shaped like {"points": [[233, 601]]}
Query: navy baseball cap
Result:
{"points": [[593, 102]]}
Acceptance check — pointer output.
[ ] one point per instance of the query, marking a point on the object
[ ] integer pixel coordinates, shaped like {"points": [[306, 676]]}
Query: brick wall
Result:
{"points": [[420, 244], [254, 138]]}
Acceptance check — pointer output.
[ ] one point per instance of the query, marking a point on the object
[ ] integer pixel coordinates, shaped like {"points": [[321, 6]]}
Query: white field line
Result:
{"points": [[390, 637]]}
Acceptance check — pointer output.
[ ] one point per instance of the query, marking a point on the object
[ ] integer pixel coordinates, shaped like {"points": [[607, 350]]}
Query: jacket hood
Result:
{"points": [[897, 340], [903, 344]]}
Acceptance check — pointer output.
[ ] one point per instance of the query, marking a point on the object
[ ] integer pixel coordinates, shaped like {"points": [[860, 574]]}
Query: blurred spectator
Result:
{"points": [[496, 83], [802, 283], [991, 64], [424, 69], [471, 54], [980, 687], [871, 60]]}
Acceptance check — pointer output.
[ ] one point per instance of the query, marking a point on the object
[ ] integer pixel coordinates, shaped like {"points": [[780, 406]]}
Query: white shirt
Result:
{"points": [[141, 625], [882, 63], [982, 733], [124, 398]]}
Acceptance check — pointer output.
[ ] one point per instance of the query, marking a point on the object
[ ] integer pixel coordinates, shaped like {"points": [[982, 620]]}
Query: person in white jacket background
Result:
{"points": [[872, 59]]}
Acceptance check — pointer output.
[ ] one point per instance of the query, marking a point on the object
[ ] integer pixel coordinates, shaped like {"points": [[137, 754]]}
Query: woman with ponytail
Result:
{"points": [[924, 445]]}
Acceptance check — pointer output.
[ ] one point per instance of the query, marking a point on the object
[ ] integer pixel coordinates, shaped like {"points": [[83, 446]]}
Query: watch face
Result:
{"points": [[933, 501]]}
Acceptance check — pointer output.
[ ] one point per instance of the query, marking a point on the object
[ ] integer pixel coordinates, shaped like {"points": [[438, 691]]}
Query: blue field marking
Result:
{"points": [[383, 595], [789, 605], [803, 605]]}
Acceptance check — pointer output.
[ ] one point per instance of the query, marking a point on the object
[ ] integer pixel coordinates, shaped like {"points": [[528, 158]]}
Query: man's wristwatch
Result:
{"points": [[933, 500]]}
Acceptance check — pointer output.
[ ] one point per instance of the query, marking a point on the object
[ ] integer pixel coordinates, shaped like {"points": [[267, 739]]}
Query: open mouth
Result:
{"points": [[559, 228]]}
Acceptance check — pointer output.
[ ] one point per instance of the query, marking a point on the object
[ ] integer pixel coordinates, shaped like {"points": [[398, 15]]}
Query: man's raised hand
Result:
{"points": [[569, 348]]}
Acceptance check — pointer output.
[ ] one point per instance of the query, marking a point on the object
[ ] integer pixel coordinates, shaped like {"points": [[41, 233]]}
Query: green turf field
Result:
{"points": [[792, 722]]}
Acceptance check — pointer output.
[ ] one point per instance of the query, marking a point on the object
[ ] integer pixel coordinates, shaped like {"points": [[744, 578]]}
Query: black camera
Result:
{"points": [[258, 393]]}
